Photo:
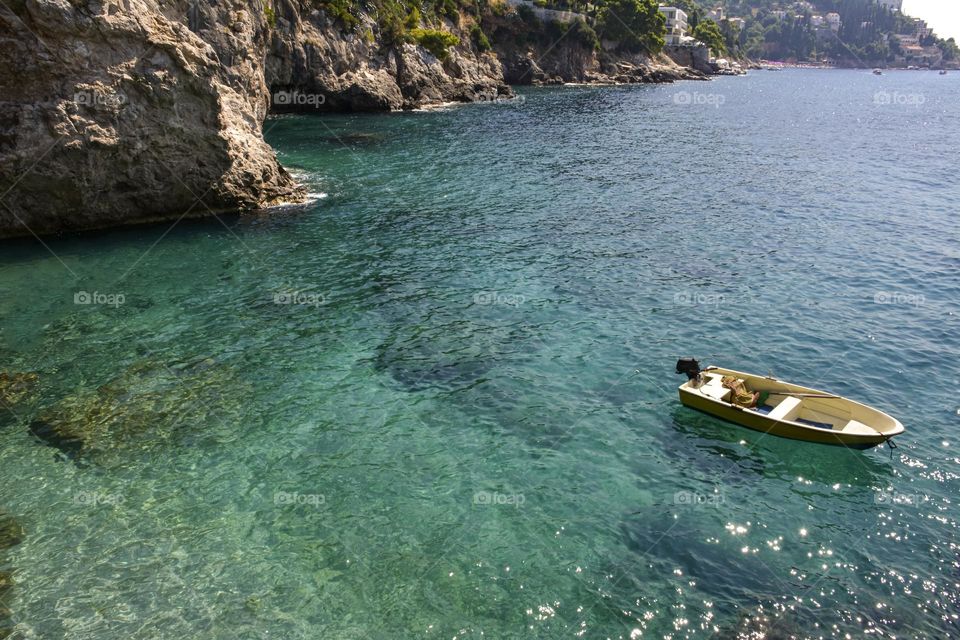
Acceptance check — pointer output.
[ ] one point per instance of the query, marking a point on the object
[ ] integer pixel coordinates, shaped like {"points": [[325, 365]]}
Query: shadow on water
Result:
{"points": [[702, 441]]}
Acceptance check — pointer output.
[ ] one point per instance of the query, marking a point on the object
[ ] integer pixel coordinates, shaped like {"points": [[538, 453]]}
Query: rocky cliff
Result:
{"points": [[537, 50], [313, 57], [121, 111], [126, 111]]}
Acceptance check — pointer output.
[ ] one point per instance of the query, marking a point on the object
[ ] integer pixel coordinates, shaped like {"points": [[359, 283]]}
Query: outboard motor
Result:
{"points": [[689, 367]]}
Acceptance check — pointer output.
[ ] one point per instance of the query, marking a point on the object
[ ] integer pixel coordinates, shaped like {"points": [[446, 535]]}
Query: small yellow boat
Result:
{"points": [[784, 409]]}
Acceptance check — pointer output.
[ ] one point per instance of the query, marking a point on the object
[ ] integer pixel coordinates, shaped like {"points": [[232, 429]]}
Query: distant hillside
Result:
{"points": [[853, 33]]}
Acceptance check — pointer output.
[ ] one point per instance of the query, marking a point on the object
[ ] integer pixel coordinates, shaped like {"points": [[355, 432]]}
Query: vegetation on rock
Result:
{"points": [[708, 32], [271, 16], [635, 24], [868, 33], [435, 41]]}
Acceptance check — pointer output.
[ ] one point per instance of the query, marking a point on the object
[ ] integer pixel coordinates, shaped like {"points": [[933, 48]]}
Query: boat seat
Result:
{"points": [[858, 428], [716, 391], [784, 410]]}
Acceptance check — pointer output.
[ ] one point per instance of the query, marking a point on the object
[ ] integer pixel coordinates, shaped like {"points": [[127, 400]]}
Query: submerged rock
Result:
{"points": [[721, 570], [148, 405], [16, 388], [6, 624], [456, 356], [11, 533], [760, 626]]}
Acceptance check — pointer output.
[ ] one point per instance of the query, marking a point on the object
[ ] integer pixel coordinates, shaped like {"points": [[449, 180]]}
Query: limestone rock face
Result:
{"points": [[125, 111], [121, 111], [311, 56]]}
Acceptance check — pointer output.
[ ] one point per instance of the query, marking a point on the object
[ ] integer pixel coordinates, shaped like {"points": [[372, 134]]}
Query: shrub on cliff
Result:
{"points": [[574, 31], [447, 8], [528, 15], [500, 8], [479, 38], [271, 16], [341, 10], [435, 41], [635, 24]]}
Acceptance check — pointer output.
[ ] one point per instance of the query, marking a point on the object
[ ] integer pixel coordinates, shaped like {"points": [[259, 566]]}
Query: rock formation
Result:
{"points": [[310, 55], [126, 111], [119, 112]]}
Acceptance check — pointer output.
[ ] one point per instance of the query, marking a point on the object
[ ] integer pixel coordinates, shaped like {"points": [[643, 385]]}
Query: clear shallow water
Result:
{"points": [[474, 431]]}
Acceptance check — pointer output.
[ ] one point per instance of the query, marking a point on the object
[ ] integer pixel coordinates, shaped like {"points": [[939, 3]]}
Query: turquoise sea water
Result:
{"points": [[439, 401]]}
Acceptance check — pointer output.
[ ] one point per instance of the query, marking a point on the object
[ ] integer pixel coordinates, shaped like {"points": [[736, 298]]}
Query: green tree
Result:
{"points": [[731, 36], [708, 32], [950, 50], [635, 24]]}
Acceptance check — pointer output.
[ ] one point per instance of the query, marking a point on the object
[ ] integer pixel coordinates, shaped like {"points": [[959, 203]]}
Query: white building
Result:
{"points": [[716, 14], [737, 22], [676, 24], [896, 5]]}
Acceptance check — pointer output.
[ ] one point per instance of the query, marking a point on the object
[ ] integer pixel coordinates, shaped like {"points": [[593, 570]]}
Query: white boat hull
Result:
{"points": [[792, 411]]}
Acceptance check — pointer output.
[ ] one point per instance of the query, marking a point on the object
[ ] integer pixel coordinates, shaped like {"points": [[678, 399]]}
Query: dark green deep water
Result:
{"points": [[473, 430]]}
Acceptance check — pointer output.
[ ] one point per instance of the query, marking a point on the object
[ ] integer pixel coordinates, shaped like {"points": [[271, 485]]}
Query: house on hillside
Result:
{"points": [[676, 25], [922, 29], [895, 5]]}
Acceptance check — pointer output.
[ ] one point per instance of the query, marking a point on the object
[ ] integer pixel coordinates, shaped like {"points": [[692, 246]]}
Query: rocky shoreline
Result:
{"points": [[122, 113]]}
